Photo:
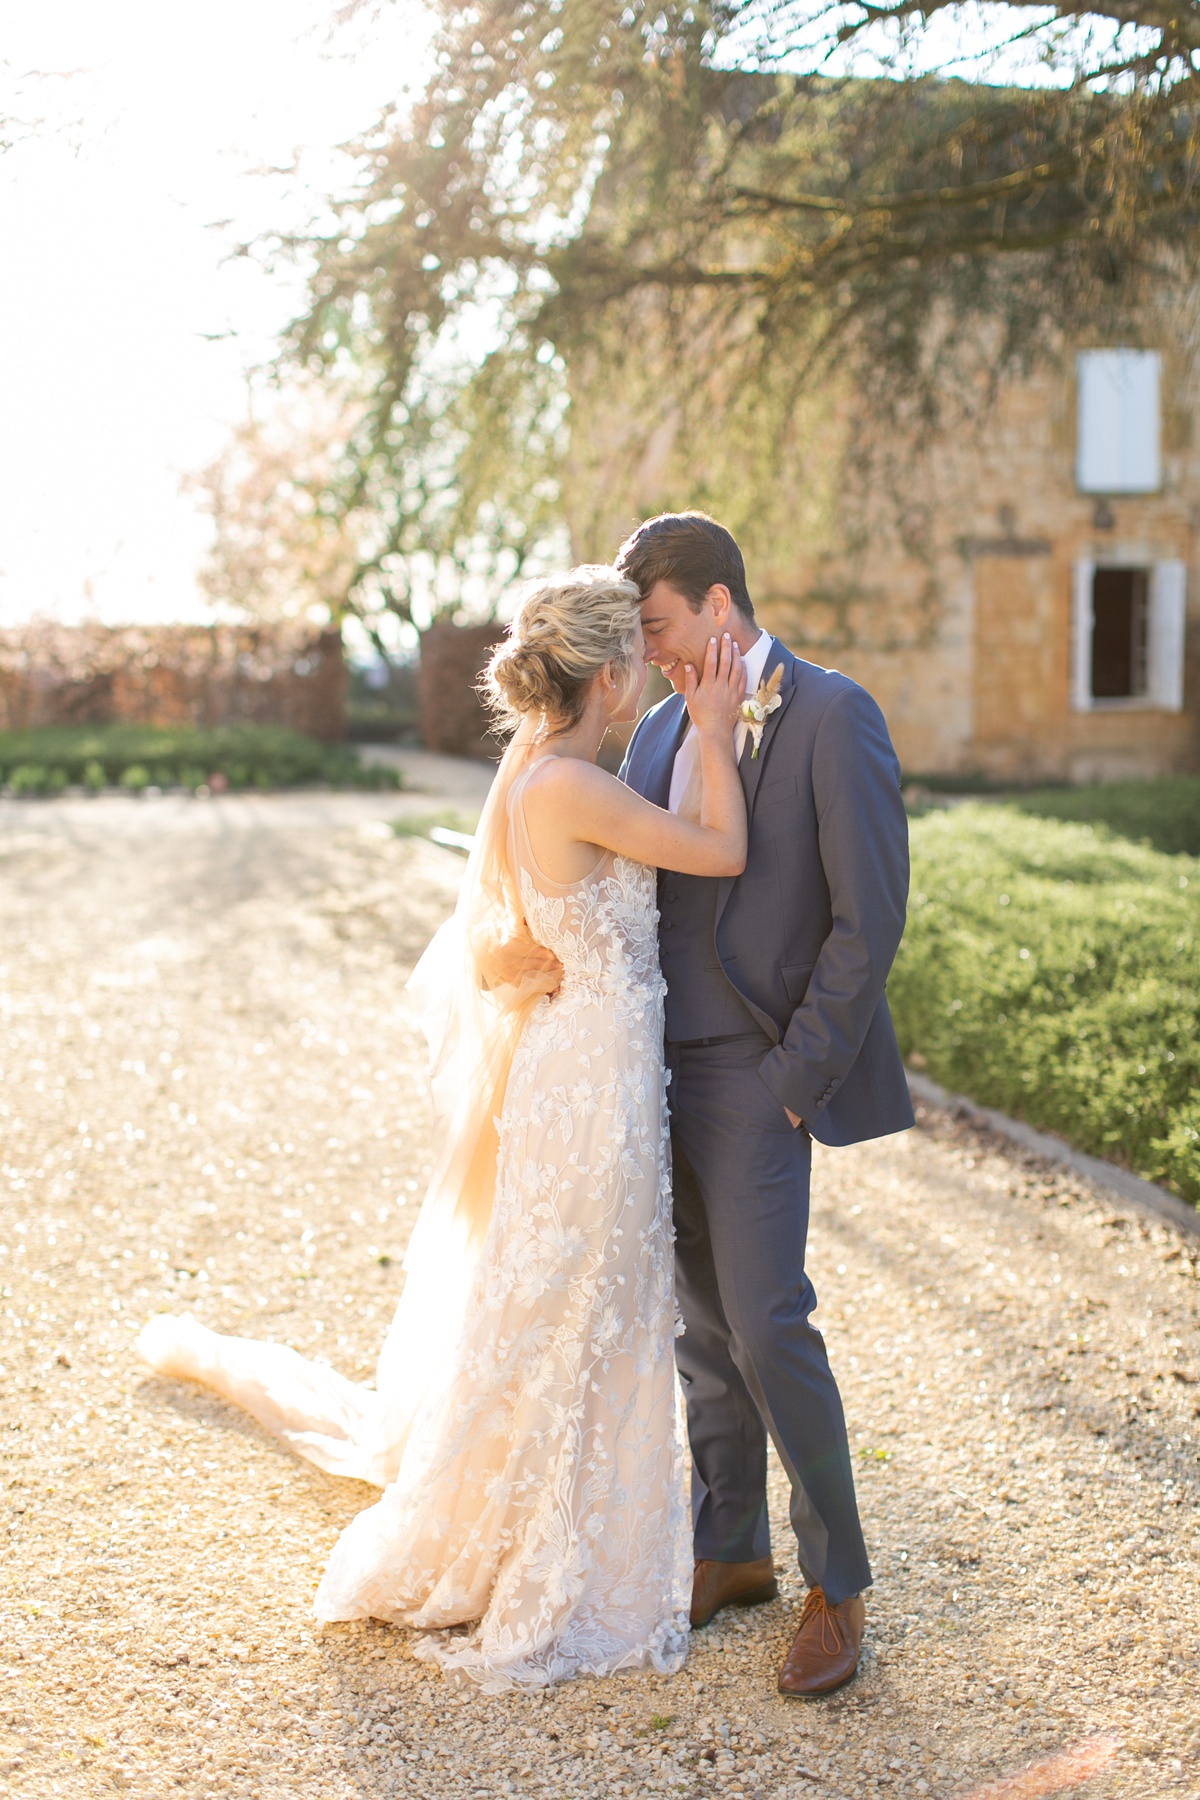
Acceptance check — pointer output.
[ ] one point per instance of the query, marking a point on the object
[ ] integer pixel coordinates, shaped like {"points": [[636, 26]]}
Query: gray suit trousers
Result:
{"points": [[750, 1361]]}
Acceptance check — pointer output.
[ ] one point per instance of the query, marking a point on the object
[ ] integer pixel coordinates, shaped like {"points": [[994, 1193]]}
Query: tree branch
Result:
{"points": [[970, 194], [1176, 21]]}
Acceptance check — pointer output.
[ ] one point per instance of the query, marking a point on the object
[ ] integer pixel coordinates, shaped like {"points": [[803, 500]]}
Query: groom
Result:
{"points": [[777, 1032]]}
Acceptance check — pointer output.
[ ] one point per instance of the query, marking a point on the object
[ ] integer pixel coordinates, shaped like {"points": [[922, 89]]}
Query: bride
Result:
{"points": [[533, 1524]]}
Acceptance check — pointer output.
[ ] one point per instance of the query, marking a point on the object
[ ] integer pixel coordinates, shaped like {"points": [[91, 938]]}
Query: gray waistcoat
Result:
{"points": [[701, 1001]]}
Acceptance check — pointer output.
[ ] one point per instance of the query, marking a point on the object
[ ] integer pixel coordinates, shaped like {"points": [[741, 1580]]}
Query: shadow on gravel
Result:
{"points": [[341, 1499], [1128, 1426], [377, 1689]]}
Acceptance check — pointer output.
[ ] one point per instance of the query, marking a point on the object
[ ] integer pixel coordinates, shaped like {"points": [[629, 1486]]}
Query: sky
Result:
{"points": [[129, 329]]}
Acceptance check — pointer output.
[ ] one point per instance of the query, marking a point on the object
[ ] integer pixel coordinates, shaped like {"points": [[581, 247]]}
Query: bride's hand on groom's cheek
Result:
{"points": [[715, 692]]}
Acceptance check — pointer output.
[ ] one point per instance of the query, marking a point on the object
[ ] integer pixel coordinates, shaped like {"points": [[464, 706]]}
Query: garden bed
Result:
{"points": [[140, 757], [1052, 969]]}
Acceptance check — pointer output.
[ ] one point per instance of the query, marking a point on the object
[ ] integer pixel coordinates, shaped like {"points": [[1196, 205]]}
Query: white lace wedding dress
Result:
{"points": [[536, 1527]]}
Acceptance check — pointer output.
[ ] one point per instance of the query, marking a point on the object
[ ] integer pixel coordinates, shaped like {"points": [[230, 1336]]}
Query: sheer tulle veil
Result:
{"points": [[473, 1017], [476, 985]]}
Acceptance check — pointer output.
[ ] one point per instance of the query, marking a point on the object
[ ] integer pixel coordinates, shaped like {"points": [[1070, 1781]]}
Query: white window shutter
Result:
{"points": [[1168, 608], [1082, 617], [1098, 423], [1118, 426]]}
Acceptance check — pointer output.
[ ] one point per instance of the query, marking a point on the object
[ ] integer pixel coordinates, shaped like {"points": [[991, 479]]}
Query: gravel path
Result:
{"points": [[212, 1096]]}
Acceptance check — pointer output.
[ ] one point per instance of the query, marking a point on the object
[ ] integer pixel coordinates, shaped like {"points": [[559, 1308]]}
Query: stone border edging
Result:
{"points": [[1143, 1196]]}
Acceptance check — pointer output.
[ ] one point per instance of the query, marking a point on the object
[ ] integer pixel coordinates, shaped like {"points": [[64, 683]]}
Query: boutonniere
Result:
{"points": [[757, 708]]}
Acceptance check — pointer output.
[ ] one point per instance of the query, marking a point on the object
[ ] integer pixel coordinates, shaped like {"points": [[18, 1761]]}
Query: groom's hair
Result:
{"points": [[689, 551]]}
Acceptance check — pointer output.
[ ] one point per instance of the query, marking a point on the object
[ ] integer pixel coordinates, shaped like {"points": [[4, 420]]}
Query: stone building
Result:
{"points": [[1042, 619], [1063, 553], [1017, 584]]}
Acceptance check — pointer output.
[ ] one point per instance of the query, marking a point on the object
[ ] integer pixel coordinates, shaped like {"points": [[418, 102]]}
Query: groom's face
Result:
{"points": [[675, 633]]}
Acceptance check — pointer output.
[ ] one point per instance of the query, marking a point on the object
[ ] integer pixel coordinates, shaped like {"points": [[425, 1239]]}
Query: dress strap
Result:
{"points": [[520, 848]]}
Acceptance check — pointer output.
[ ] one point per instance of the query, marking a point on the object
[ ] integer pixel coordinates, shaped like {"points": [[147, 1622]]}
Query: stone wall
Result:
{"points": [[949, 598], [989, 691], [450, 715], [171, 675]]}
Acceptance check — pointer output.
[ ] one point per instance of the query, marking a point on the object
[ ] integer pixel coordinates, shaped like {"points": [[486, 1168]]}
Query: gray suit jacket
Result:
{"points": [[808, 932]]}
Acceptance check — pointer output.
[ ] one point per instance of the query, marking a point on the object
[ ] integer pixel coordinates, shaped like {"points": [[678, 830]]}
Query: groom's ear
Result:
{"points": [[719, 599]]}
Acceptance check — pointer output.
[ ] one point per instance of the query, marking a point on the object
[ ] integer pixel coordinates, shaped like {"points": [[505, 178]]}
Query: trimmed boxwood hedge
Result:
{"points": [[1164, 814], [139, 756], [1052, 970]]}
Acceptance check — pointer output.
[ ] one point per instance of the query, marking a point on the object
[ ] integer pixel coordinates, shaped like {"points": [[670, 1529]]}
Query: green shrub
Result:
{"points": [[420, 824], [135, 778], [1053, 970], [1164, 814], [35, 778], [255, 756]]}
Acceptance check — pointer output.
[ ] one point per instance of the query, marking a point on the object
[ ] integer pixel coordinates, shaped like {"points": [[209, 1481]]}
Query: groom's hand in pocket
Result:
{"points": [[794, 1119]]}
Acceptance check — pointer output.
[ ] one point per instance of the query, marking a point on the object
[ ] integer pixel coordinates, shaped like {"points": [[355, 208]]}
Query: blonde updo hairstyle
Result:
{"points": [[564, 632]]}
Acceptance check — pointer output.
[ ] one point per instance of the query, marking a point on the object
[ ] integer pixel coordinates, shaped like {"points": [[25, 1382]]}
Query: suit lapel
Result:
{"points": [[750, 767], [657, 785]]}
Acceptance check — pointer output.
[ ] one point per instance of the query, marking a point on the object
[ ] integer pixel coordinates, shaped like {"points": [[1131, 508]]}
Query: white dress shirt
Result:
{"points": [[685, 757]]}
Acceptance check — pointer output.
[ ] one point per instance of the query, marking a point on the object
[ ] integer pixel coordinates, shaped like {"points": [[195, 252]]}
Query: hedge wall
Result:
{"points": [[139, 756], [1052, 970]]}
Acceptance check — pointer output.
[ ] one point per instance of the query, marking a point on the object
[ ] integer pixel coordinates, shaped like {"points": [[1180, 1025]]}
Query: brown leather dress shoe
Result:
{"points": [[824, 1652], [718, 1584]]}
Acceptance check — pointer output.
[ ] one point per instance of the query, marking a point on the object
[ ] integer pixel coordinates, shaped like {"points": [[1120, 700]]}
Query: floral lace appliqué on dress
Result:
{"points": [[537, 1528]]}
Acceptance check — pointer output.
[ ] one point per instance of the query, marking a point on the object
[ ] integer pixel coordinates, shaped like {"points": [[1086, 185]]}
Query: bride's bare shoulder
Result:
{"points": [[565, 779]]}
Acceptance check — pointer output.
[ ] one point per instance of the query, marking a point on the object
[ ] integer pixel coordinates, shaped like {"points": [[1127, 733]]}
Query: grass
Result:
{"points": [[1052, 969], [420, 824], [135, 757]]}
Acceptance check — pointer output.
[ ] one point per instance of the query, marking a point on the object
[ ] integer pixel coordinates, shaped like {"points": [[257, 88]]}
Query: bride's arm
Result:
{"points": [[577, 802]]}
